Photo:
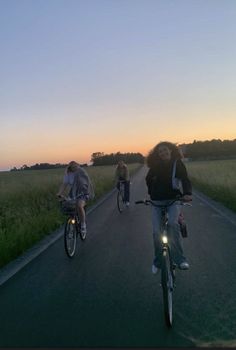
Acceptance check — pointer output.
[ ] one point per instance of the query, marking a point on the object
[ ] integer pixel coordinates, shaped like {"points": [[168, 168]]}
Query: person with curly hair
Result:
{"points": [[167, 179]]}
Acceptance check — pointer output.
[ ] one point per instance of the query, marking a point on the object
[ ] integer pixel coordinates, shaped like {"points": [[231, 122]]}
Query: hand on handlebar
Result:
{"points": [[61, 197], [187, 198], [141, 202]]}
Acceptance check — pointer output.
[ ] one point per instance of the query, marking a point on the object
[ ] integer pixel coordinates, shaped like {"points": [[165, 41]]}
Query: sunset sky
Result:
{"points": [[84, 76]]}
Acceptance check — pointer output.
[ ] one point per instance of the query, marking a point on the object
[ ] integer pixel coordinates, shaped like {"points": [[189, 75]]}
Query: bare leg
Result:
{"points": [[81, 211]]}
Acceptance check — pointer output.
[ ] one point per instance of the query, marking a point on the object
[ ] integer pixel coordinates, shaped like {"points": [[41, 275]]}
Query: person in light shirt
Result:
{"points": [[122, 174], [80, 188]]}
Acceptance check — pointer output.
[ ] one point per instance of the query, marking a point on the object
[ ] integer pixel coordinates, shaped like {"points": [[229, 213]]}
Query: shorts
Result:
{"points": [[83, 197]]}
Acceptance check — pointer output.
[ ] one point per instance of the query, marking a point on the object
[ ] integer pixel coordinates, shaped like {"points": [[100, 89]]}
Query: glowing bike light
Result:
{"points": [[73, 221], [164, 239]]}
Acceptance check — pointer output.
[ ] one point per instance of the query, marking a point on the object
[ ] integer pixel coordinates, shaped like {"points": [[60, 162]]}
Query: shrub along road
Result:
{"points": [[107, 297]]}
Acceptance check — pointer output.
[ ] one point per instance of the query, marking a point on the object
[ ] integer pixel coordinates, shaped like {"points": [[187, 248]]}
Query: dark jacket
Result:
{"points": [[160, 183]]}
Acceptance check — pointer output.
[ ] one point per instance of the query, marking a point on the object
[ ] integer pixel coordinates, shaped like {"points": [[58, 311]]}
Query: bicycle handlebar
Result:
{"points": [[142, 202], [149, 201], [62, 198]]}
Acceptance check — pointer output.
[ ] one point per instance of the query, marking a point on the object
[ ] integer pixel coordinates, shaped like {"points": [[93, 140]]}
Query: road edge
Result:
{"points": [[218, 207], [10, 269], [17, 264]]}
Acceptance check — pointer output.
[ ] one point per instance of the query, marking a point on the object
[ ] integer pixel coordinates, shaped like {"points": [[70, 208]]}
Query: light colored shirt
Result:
{"points": [[122, 172], [80, 183], [69, 179]]}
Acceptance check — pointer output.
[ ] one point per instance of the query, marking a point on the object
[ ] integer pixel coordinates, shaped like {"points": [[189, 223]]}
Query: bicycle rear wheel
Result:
{"points": [[167, 287], [120, 201], [70, 237]]}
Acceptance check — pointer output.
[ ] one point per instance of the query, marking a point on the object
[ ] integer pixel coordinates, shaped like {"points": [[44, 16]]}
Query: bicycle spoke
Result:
{"points": [[167, 287], [120, 202], [70, 238]]}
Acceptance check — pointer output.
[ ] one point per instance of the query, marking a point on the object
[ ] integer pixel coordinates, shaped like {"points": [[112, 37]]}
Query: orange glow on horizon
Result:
{"points": [[64, 156]]}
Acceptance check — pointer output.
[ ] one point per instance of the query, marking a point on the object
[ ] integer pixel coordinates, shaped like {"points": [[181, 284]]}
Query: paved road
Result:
{"points": [[107, 297]]}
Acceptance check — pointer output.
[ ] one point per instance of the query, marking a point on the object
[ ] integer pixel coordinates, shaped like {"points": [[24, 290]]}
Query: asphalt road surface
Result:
{"points": [[106, 296]]}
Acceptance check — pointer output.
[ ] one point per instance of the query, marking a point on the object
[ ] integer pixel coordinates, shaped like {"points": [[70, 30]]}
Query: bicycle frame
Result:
{"points": [[120, 195], [167, 265], [72, 227]]}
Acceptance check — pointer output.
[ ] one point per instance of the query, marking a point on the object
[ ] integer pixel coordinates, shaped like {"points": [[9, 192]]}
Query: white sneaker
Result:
{"points": [[154, 269], [184, 265]]}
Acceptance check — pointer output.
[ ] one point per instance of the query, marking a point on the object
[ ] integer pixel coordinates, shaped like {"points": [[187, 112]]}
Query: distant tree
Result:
{"points": [[214, 149], [113, 158], [96, 155], [24, 167], [39, 166]]}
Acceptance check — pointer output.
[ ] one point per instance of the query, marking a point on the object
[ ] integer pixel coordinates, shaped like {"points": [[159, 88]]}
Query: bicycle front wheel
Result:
{"points": [[70, 238], [120, 202], [167, 287], [81, 232]]}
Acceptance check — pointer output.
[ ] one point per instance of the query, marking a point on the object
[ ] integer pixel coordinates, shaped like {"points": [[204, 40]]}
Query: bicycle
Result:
{"points": [[167, 265], [72, 226], [120, 198]]}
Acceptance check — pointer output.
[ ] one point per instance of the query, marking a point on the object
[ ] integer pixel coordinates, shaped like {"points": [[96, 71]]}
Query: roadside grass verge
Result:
{"points": [[217, 179], [29, 209]]}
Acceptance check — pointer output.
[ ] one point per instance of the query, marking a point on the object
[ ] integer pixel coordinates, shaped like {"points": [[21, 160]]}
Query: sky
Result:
{"points": [[85, 76]]}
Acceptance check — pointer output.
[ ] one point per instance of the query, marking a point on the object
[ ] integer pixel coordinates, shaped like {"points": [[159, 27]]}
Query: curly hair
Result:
{"points": [[153, 157]]}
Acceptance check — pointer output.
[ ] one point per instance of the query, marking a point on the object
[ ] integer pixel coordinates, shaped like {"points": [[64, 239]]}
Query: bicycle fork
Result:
{"points": [[167, 256], [76, 222]]}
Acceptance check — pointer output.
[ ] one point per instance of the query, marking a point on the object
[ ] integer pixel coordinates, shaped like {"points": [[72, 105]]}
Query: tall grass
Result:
{"points": [[29, 208], [217, 179]]}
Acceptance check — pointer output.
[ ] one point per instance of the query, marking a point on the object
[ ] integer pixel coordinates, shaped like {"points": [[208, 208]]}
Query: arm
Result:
{"points": [[126, 173], [63, 190], [65, 187], [83, 181], [117, 175], [181, 173], [149, 179]]}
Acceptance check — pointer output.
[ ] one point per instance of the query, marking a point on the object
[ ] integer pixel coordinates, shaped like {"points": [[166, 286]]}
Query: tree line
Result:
{"points": [[39, 166], [99, 158], [204, 150], [214, 149]]}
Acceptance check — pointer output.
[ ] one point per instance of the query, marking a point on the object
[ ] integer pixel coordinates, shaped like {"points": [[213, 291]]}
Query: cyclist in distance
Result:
{"points": [[122, 174], [80, 187], [166, 179]]}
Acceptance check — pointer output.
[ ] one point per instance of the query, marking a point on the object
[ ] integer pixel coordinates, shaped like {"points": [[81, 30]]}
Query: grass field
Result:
{"points": [[216, 178], [29, 208]]}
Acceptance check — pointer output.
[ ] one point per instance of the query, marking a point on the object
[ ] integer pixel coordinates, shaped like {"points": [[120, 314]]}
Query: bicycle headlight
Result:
{"points": [[164, 239], [73, 221]]}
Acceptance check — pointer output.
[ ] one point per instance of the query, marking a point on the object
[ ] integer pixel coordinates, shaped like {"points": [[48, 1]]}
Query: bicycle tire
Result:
{"points": [[167, 287], [82, 235], [70, 238], [120, 201]]}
